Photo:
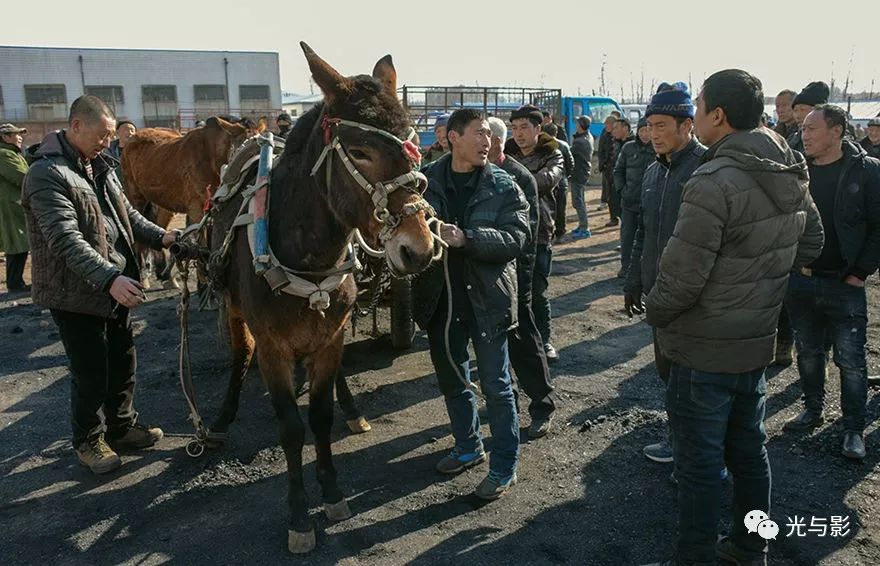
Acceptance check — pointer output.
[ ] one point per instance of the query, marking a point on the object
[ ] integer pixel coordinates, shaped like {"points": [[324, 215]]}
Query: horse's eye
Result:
{"points": [[359, 155]]}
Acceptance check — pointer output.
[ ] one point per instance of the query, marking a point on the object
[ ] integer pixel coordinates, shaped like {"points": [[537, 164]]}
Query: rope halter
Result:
{"points": [[412, 181]]}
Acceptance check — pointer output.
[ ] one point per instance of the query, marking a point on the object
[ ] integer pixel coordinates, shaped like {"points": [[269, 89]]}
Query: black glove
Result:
{"points": [[632, 302]]}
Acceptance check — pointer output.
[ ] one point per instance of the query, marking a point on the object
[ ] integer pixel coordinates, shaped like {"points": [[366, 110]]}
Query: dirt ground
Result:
{"points": [[586, 494]]}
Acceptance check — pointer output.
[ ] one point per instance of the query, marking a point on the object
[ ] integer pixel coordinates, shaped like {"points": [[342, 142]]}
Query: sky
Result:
{"points": [[456, 42]]}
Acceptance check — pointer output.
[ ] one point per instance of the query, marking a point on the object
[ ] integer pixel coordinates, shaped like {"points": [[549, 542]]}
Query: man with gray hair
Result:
{"points": [[82, 231], [526, 346]]}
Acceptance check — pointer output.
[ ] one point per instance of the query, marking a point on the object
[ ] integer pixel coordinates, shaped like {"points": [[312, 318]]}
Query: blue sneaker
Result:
{"points": [[580, 234], [456, 462], [494, 486]]}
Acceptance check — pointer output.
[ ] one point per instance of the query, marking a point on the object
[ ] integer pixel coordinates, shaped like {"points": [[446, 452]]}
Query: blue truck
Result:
{"points": [[427, 103]]}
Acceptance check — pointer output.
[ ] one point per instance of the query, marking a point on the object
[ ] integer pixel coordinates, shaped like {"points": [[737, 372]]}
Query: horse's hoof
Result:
{"points": [[359, 425], [216, 439], [171, 284], [337, 511], [301, 543]]}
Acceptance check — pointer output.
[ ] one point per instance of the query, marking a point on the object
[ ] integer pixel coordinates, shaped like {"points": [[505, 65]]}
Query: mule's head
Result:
{"points": [[372, 100], [220, 138]]}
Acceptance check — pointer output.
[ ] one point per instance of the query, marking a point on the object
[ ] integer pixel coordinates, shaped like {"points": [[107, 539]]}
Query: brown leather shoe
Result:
{"points": [[97, 455], [138, 436]]}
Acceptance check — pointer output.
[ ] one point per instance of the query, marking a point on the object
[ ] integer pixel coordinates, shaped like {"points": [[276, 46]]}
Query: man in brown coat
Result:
{"points": [[82, 230], [746, 220]]}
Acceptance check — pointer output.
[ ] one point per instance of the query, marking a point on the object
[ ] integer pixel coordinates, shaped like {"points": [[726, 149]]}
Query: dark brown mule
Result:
{"points": [[166, 172], [310, 226]]}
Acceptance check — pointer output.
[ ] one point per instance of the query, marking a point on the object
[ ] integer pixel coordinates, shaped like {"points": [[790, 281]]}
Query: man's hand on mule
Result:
{"points": [[452, 235], [170, 237]]}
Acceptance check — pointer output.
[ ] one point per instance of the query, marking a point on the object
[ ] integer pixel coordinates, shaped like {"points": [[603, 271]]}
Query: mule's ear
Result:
{"points": [[332, 84], [384, 71]]}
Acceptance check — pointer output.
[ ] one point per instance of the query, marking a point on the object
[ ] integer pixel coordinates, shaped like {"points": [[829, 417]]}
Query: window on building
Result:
{"points": [[46, 102], [210, 100], [160, 106], [254, 98], [111, 95]]}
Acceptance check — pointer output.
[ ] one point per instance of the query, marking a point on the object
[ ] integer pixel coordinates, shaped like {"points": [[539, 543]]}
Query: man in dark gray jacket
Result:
{"points": [[670, 121], [635, 157], [526, 346], [82, 230], [472, 297], [582, 153]]}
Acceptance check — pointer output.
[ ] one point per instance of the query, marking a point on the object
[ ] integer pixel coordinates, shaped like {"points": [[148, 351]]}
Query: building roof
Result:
{"points": [[37, 47], [293, 98]]}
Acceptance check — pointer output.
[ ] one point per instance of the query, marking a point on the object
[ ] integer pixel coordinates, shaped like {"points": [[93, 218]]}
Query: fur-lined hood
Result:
{"points": [[546, 144]]}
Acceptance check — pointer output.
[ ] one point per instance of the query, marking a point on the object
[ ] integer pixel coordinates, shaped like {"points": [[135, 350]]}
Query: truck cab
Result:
{"points": [[596, 107]]}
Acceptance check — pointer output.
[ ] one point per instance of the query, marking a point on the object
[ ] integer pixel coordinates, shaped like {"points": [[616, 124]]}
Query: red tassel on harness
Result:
{"points": [[325, 124], [207, 206]]}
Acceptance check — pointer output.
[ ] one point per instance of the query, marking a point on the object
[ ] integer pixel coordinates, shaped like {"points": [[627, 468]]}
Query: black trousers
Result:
{"points": [[102, 365], [15, 271], [530, 363], [561, 194]]}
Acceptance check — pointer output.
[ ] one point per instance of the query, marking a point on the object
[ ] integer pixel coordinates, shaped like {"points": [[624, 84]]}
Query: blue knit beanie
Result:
{"points": [[672, 100]]}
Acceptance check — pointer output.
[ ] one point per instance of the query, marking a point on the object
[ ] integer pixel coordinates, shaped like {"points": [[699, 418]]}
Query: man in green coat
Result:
{"points": [[13, 230]]}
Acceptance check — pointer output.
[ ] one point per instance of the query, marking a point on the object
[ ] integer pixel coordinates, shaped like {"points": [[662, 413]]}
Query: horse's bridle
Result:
{"points": [[412, 181]]}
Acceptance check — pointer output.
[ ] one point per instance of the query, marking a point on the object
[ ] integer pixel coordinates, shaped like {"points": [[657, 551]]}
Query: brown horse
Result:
{"points": [[311, 222], [166, 172], [178, 172]]}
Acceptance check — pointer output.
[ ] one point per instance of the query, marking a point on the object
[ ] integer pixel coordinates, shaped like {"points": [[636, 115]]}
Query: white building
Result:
{"points": [[167, 88]]}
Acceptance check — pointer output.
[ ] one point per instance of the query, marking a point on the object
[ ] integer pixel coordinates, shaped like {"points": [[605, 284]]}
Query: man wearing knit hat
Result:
{"points": [[540, 154], [814, 94], [670, 118]]}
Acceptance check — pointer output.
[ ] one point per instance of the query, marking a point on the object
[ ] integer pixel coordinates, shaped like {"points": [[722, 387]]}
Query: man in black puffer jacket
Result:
{"points": [[827, 299], [540, 154]]}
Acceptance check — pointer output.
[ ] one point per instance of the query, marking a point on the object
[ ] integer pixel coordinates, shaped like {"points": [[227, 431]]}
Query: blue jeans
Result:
{"points": [[629, 221], [717, 419], [493, 364], [540, 285], [579, 202], [823, 308]]}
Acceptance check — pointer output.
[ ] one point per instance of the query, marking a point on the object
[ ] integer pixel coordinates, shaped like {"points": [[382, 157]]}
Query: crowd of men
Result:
{"points": [[738, 243]]}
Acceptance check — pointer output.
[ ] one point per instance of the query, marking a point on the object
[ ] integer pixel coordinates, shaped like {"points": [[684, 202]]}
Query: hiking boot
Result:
{"points": [[138, 436], [784, 356], [95, 454], [540, 426], [551, 353], [853, 445], [727, 551], [494, 486], [659, 452], [613, 222], [807, 420], [456, 462]]}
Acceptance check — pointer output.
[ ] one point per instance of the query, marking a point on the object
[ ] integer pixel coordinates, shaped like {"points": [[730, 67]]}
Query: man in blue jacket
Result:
{"points": [[472, 297]]}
